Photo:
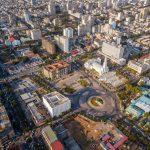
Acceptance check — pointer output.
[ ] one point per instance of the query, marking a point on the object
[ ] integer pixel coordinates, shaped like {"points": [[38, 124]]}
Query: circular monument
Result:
{"points": [[95, 102]]}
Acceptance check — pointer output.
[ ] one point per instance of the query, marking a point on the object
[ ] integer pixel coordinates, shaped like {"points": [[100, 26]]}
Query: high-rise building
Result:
{"points": [[63, 43], [86, 25], [144, 12], [68, 32], [36, 34], [146, 2], [51, 7], [69, 5], [112, 50], [48, 45], [120, 16], [26, 16], [33, 2]]}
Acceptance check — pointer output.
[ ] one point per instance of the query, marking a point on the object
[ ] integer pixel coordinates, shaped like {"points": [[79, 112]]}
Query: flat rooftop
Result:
{"points": [[140, 105], [36, 113], [55, 98], [25, 85], [49, 134], [56, 66], [30, 97]]}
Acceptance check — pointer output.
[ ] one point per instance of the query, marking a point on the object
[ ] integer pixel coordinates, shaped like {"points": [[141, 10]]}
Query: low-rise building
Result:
{"points": [[6, 130], [38, 118], [97, 65], [24, 86], [139, 106], [139, 66], [112, 79], [56, 103], [57, 70], [113, 140], [31, 104]]}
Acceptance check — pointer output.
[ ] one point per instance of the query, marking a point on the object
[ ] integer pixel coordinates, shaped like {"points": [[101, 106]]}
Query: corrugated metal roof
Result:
{"points": [[57, 145], [51, 136]]}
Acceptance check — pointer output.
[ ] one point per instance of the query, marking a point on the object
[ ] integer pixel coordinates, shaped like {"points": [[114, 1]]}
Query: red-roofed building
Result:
{"points": [[56, 145], [106, 137], [147, 56], [108, 142], [110, 146], [11, 39], [120, 142]]}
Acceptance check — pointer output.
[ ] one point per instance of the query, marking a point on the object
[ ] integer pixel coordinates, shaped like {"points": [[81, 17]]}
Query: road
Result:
{"points": [[21, 74]]}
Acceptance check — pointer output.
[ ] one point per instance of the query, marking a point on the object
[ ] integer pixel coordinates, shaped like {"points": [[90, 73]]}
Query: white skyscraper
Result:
{"points": [[36, 34], [69, 5], [68, 32], [146, 2], [105, 67], [63, 43], [86, 25], [51, 7], [113, 51], [26, 16]]}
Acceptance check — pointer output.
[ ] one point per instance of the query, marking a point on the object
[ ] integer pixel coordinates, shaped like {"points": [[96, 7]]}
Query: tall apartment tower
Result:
{"points": [[33, 2], [51, 7], [68, 32], [26, 16]]}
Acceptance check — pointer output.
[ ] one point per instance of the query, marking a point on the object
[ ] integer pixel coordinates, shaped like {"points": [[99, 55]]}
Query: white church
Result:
{"points": [[97, 65]]}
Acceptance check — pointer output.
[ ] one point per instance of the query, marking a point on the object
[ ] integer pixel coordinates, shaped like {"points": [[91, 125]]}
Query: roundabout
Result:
{"points": [[95, 102]]}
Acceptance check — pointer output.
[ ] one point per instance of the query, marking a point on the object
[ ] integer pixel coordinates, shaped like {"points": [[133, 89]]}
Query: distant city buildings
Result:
{"points": [[51, 8], [59, 38], [68, 32], [27, 16], [33, 2], [36, 34], [56, 103]]}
